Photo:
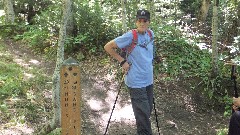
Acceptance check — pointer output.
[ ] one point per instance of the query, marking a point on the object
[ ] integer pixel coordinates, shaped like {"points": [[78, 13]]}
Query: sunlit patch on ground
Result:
{"points": [[28, 76], [100, 98], [36, 62], [95, 104], [26, 65], [22, 63], [121, 112], [19, 129]]}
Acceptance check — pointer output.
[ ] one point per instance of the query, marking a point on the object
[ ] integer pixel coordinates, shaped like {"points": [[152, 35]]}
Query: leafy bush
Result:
{"points": [[185, 60], [189, 6], [36, 38], [20, 93], [9, 31], [11, 79], [86, 32], [180, 57]]}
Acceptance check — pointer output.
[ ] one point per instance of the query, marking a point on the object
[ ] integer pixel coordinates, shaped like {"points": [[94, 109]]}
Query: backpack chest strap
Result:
{"points": [[130, 48]]}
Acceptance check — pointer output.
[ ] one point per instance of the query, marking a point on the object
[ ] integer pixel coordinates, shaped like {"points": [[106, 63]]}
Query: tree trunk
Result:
{"points": [[60, 58], [203, 13], [8, 8], [214, 40], [151, 8], [124, 23], [31, 13], [56, 121], [71, 26]]}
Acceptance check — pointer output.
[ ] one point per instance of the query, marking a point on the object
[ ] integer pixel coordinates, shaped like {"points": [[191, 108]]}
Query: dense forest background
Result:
{"points": [[194, 38]]}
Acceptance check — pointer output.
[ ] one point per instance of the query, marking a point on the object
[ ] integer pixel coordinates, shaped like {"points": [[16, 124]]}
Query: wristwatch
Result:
{"points": [[121, 64]]}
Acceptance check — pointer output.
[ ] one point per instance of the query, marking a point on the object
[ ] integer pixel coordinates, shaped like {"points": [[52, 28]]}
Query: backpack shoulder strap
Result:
{"points": [[134, 41], [135, 38], [130, 48], [150, 34]]}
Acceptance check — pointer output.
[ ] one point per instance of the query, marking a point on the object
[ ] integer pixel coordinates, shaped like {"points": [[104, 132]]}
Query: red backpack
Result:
{"points": [[126, 51]]}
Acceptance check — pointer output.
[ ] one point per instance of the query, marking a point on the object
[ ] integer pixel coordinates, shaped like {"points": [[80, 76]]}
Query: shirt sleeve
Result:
{"points": [[124, 40]]}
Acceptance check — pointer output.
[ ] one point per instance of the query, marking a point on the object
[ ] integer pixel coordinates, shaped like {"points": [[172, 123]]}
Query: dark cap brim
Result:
{"points": [[142, 17]]}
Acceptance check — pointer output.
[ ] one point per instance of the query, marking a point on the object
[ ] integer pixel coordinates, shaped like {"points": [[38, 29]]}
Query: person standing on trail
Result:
{"points": [[138, 69], [234, 124]]}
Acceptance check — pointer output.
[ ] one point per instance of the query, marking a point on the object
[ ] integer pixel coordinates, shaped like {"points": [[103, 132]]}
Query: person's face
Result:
{"points": [[142, 25]]}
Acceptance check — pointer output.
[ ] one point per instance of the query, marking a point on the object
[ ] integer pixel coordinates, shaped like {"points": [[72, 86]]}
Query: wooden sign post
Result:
{"points": [[70, 98]]}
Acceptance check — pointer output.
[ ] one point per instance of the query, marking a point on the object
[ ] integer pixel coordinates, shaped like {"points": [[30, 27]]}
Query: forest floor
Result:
{"points": [[180, 111]]}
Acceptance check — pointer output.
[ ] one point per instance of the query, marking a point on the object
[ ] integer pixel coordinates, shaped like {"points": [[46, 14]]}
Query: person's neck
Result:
{"points": [[141, 32]]}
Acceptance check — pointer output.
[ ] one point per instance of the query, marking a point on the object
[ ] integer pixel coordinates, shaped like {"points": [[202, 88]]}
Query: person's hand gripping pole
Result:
{"points": [[125, 66]]}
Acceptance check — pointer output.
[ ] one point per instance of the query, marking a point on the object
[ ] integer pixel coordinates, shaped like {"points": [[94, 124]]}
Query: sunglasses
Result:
{"points": [[142, 20]]}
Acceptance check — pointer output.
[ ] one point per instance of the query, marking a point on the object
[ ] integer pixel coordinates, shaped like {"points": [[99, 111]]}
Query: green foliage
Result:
{"points": [[26, 10], [228, 107], [182, 58], [49, 19], [216, 89], [1, 4], [57, 131], [36, 38], [87, 30], [21, 93], [6, 31], [91, 28], [223, 131], [26, 112], [190, 6], [9, 31], [11, 79], [179, 56]]}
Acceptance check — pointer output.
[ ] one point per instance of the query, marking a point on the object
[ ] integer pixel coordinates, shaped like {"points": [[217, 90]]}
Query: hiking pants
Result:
{"points": [[142, 104], [234, 125]]}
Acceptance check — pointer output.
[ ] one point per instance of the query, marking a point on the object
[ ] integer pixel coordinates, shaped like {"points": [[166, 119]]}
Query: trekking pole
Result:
{"points": [[154, 105], [234, 77], [122, 80]]}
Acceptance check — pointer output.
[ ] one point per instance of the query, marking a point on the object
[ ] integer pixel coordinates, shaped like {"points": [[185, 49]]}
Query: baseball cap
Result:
{"points": [[143, 14]]}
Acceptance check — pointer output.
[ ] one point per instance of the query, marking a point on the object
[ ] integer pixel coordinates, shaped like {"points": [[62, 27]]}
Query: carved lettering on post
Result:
{"points": [[70, 98]]}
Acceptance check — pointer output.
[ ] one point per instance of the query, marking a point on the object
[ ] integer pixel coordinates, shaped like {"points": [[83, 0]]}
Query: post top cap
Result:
{"points": [[70, 61]]}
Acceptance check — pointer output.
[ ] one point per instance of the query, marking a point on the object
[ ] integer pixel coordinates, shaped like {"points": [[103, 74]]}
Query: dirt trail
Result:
{"points": [[180, 112]]}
